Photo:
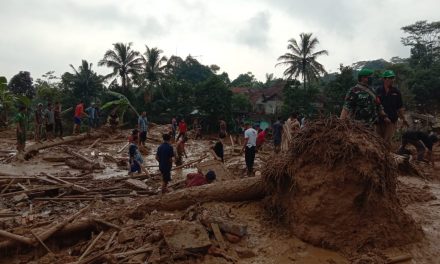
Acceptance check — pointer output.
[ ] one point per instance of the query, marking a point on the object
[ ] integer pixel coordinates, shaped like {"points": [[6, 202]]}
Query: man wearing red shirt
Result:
{"points": [[197, 179], [182, 129], [79, 112]]}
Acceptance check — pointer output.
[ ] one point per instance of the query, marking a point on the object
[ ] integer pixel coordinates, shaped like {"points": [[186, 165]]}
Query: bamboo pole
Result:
{"points": [[18, 238], [90, 246], [40, 241]]}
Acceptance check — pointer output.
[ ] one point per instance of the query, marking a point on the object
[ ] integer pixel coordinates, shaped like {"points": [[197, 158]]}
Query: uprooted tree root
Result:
{"points": [[336, 188]]}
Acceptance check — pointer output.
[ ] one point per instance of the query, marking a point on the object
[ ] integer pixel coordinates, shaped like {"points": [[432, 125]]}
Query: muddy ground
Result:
{"points": [[113, 200]]}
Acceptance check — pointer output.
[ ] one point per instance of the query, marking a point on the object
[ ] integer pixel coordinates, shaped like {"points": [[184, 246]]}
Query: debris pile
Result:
{"points": [[336, 188]]}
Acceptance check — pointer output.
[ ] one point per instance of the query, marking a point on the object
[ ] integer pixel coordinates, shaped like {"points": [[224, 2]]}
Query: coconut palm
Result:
{"points": [[302, 59], [154, 68], [154, 64], [125, 62], [84, 82]]}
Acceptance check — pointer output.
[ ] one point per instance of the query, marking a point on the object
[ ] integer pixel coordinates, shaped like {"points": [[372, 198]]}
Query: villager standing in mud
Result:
{"points": [[135, 157], [197, 129], [277, 129], [391, 100], [219, 149], [79, 113], [97, 115], [182, 129], [180, 151], [164, 156], [58, 120], [249, 147], [91, 112], [222, 126], [49, 120], [20, 120], [38, 122], [362, 103], [143, 128], [113, 120]]}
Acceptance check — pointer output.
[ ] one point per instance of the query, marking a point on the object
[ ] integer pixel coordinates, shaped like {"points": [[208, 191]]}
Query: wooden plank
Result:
{"points": [[218, 235], [75, 186]]}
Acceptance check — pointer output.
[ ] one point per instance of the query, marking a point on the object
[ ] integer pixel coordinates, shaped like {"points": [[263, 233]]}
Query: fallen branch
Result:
{"points": [[33, 149]]}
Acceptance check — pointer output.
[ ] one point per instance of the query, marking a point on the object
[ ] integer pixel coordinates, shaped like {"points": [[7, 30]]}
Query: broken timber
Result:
{"points": [[33, 149], [228, 191]]}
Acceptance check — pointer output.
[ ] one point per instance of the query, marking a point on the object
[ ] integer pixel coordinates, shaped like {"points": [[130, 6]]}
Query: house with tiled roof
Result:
{"points": [[266, 101]]}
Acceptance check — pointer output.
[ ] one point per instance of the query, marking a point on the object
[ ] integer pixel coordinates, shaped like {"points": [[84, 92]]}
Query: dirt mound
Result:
{"points": [[336, 188]]}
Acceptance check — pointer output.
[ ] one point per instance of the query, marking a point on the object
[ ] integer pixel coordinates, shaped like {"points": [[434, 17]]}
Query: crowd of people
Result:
{"points": [[381, 109], [378, 109]]}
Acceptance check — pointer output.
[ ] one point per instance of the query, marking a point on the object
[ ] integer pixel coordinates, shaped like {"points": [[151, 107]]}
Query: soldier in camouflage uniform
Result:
{"points": [[361, 102]]}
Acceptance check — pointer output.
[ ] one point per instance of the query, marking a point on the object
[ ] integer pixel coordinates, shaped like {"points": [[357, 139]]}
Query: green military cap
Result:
{"points": [[365, 72], [388, 74]]}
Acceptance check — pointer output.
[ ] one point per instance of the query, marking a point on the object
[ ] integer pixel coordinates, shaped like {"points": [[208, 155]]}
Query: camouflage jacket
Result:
{"points": [[363, 104]]}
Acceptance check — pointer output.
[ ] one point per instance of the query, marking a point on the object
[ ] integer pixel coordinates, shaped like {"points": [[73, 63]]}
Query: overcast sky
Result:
{"points": [[237, 35]]}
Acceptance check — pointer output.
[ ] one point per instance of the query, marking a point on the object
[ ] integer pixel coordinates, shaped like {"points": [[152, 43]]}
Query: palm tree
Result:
{"points": [[154, 63], [154, 66], [302, 59], [84, 82], [125, 62]]}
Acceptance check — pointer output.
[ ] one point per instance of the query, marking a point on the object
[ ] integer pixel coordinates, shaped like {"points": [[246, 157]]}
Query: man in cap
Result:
{"points": [[391, 100], [362, 103]]}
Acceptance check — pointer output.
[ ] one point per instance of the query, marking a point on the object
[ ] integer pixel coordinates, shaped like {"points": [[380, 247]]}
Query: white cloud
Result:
{"points": [[237, 35]]}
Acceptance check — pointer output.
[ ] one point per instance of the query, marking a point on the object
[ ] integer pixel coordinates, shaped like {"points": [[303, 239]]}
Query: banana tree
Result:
{"points": [[121, 105]]}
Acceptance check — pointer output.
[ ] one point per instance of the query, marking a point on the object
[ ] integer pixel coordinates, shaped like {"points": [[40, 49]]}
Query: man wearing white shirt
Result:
{"points": [[250, 143]]}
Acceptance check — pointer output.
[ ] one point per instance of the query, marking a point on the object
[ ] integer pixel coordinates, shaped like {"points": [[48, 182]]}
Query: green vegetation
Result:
{"points": [[175, 86]]}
